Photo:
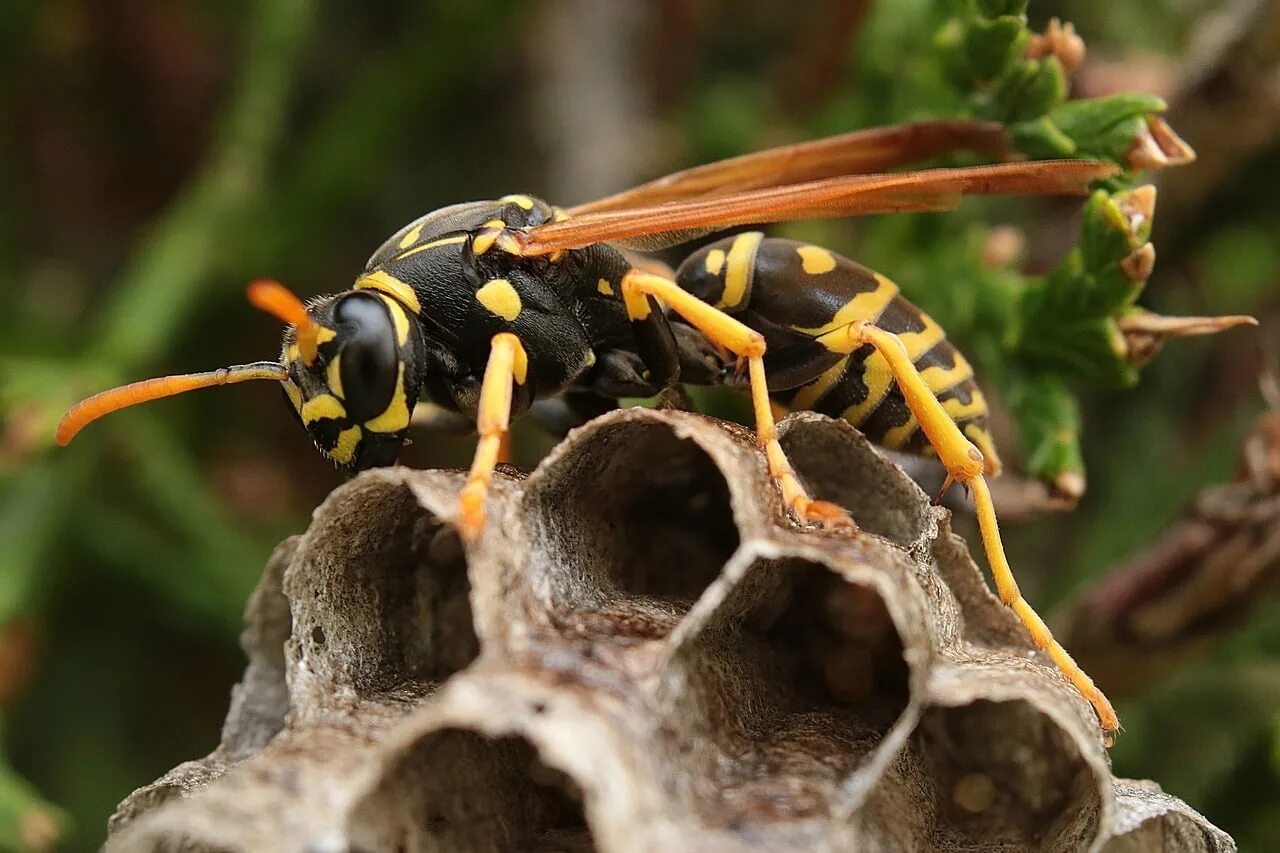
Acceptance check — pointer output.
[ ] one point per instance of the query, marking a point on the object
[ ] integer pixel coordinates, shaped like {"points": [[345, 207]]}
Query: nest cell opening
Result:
{"points": [[836, 463], [842, 647], [793, 695], [1006, 773], [383, 597], [632, 517], [459, 790]]}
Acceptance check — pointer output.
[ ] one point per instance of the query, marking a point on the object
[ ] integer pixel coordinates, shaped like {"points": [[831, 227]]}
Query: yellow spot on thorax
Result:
{"points": [[484, 241], [387, 283], [715, 261], [741, 263], [411, 236], [321, 407], [522, 201], [443, 241], [501, 298], [816, 261], [604, 287], [395, 416], [345, 448]]}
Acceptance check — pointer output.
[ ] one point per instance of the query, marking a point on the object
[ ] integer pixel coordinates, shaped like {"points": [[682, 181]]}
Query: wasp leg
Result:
{"points": [[746, 343], [964, 463], [508, 364]]}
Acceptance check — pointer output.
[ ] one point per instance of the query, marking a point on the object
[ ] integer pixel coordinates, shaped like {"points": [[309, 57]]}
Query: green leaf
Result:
{"points": [[991, 47], [1048, 419], [998, 8], [1030, 89], [1101, 128]]}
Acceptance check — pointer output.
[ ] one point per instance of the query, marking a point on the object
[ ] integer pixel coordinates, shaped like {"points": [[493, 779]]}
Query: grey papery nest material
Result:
{"points": [[643, 654]]}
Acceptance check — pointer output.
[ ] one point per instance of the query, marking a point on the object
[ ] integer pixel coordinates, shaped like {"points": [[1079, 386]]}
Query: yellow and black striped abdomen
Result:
{"points": [[795, 293]]}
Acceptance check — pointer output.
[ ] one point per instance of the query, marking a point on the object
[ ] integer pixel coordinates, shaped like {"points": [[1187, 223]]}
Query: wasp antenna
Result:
{"points": [[87, 411], [280, 302]]}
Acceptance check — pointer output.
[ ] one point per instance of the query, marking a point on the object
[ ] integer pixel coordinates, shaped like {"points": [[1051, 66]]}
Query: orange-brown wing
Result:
{"points": [[857, 153], [648, 227]]}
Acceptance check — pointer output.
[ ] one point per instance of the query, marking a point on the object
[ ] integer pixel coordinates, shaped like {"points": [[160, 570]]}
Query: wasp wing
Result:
{"points": [[856, 153], [649, 227]]}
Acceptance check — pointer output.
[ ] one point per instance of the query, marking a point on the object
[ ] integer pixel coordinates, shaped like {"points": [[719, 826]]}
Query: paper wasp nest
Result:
{"points": [[643, 655]]}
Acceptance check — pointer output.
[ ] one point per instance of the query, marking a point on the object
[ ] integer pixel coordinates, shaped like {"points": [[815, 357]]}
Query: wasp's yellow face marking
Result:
{"points": [[325, 335], [398, 318], [443, 241], [816, 261], [741, 262], [604, 287], [291, 354], [558, 215], [294, 394], [387, 283], [715, 261], [395, 416], [345, 449], [320, 407], [412, 236], [500, 298], [333, 376], [522, 201]]}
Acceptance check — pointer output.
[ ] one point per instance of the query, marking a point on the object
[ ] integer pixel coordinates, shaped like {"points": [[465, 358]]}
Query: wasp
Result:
{"points": [[485, 307]]}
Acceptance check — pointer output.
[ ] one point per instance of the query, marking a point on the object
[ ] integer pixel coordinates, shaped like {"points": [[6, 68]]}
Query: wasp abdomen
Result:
{"points": [[800, 297]]}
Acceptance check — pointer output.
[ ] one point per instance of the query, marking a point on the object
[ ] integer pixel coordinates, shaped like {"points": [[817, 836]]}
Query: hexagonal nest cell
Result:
{"points": [[643, 652]]}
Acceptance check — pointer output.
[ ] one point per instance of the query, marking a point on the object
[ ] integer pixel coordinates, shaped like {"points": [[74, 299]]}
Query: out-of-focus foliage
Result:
{"points": [[164, 154]]}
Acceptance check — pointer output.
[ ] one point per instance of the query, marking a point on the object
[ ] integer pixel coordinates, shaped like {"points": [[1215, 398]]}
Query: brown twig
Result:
{"points": [[1196, 583]]}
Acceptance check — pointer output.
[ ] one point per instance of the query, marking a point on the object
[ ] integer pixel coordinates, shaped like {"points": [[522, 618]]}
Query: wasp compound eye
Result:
{"points": [[369, 362]]}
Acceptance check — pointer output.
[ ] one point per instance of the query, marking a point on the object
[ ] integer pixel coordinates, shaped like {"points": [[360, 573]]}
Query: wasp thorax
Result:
{"points": [[356, 394]]}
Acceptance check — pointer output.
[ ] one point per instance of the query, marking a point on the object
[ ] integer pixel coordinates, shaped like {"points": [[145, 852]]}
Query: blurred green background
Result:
{"points": [[160, 155]]}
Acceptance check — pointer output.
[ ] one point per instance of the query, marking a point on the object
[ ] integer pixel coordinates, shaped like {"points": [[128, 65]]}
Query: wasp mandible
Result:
{"points": [[487, 306]]}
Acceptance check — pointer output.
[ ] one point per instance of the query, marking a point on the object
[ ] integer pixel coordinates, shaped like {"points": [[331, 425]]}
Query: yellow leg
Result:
{"points": [[508, 364], [746, 343], [964, 464]]}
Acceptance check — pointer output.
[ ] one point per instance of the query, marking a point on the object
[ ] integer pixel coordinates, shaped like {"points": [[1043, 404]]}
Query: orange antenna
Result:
{"points": [[87, 411], [278, 301]]}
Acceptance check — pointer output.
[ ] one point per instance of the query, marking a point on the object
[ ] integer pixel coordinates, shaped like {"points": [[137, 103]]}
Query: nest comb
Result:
{"points": [[643, 654]]}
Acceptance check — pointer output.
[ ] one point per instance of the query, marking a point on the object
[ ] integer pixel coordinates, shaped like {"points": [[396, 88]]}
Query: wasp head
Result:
{"points": [[353, 376], [350, 368]]}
